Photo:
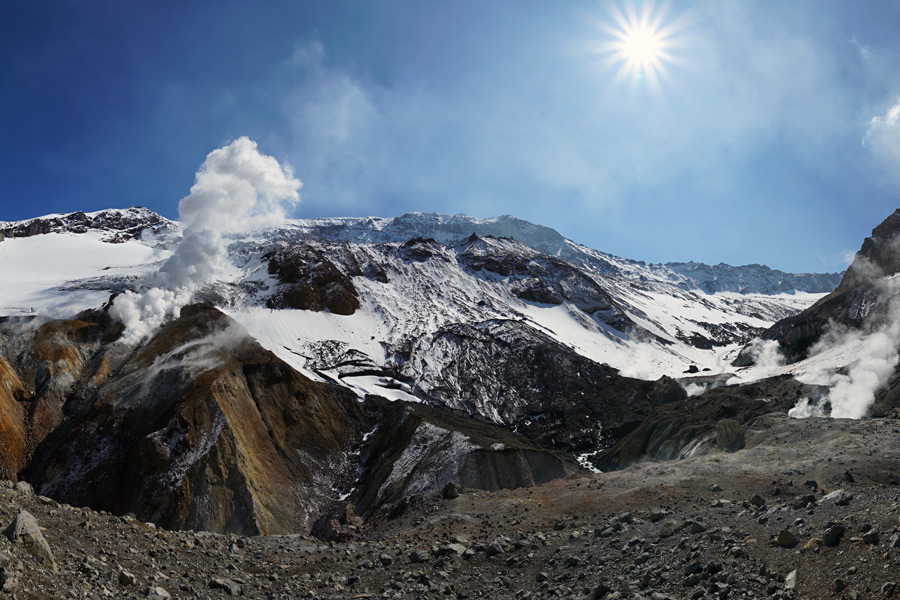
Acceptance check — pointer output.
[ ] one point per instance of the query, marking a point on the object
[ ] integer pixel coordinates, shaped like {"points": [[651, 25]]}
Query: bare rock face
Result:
{"points": [[24, 530], [536, 277], [417, 449], [201, 428], [12, 423], [307, 280]]}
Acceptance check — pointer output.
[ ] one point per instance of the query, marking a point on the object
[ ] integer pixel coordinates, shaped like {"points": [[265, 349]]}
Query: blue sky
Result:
{"points": [[770, 133]]}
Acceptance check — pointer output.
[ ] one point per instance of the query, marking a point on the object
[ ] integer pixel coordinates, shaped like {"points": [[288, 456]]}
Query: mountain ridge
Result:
{"points": [[749, 278]]}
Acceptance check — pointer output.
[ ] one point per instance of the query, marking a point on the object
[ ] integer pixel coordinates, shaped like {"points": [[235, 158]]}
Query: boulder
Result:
{"points": [[24, 530]]}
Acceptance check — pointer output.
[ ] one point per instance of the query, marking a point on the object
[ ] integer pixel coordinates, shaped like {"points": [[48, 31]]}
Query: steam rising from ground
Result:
{"points": [[765, 354], [852, 393], [236, 190]]}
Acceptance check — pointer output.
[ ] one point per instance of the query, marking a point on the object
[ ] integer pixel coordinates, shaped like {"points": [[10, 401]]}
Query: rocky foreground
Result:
{"points": [[808, 509]]}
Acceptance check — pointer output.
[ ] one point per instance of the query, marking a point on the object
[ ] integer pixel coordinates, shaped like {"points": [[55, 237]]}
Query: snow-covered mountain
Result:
{"points": [[414, 275], [424, 307], [485, 352]]}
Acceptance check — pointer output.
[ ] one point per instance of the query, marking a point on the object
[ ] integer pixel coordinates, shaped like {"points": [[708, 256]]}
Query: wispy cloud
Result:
{"points": [[883, 138]]}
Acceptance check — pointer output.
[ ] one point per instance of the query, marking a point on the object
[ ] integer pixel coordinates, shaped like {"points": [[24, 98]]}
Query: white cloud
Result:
{"points": [[883, 137]]}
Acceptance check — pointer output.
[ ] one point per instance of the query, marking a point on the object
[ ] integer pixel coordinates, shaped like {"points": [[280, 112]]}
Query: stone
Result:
{"points": [[887, 589], [385, 559], [757, 500], [24, 487], [654, 517], [694, 527], [231, 587], [24, 530], [833, 534], [157, 593], [494, 548], [419, 556], [457, 548], [692, 568], [450, 492], [838, 586], [600, 591], [786, 539], [790, 582], [870, 537], [667, 530], [839, 497], [127, 578], [804, 501], [813, 544]]}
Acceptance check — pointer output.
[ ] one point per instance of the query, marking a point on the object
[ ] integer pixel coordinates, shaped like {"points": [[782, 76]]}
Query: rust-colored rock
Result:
{"points": [[12, 423], [204, 429]]}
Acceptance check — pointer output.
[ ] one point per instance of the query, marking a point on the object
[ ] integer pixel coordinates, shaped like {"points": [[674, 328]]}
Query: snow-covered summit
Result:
{"points": [[447, 229], [119, 224]]}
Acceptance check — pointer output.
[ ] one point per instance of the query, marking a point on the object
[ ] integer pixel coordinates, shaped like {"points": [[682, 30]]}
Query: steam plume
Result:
{"points": [[852, 393], [236, 190]]}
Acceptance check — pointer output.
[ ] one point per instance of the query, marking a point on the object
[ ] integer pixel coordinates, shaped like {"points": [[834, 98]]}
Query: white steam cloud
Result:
{"points": [[766, 356], [876, 357], [236, 190]]}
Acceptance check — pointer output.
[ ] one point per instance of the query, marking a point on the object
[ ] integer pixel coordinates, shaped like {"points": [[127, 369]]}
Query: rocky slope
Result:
{"points": [[773, 520]]}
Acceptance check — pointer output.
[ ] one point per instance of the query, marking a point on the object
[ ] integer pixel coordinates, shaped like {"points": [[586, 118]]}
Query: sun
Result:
{"points": [[641, 42], [642, 46]]}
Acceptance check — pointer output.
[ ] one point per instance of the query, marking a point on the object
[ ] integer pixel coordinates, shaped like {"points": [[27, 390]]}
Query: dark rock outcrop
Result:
{"points": [[417, 449], [307, 280], [541, 278]]}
